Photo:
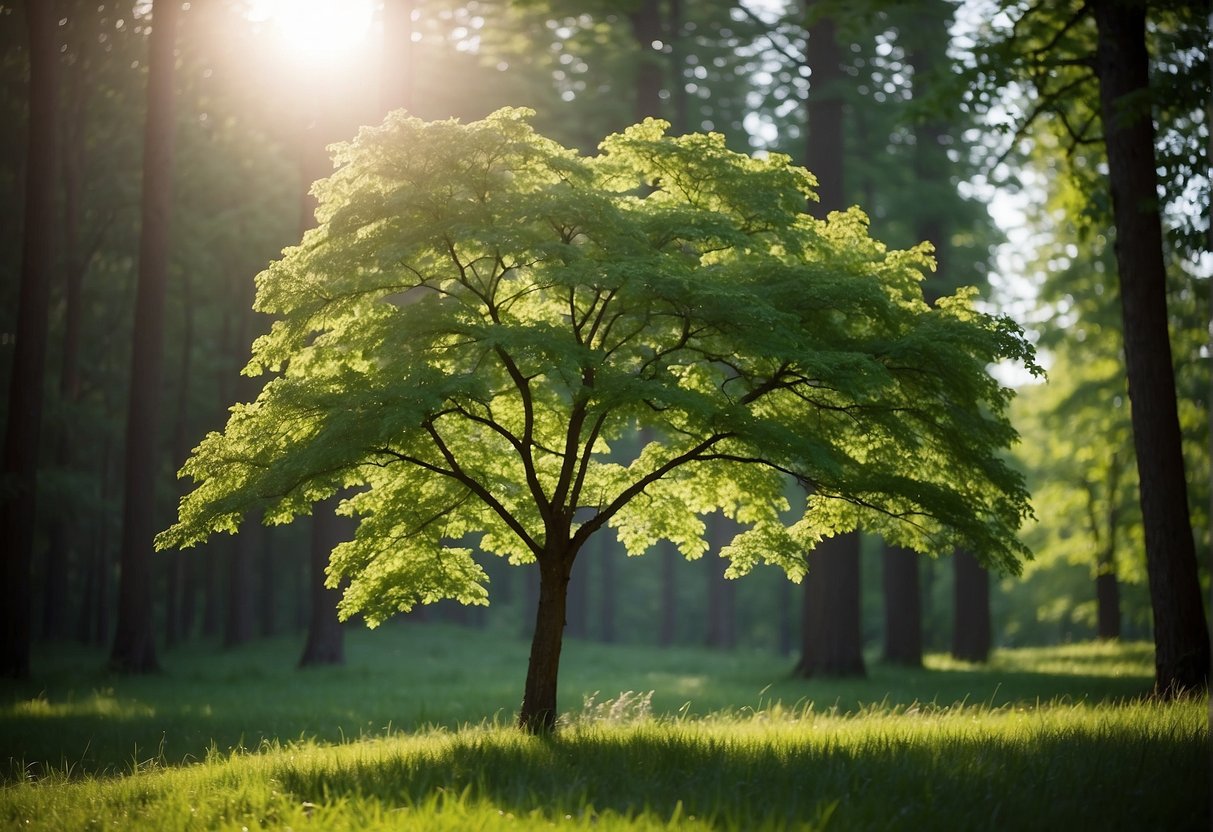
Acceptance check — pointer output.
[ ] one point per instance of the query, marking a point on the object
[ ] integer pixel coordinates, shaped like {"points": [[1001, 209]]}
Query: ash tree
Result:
{"points": [[481, 315]]}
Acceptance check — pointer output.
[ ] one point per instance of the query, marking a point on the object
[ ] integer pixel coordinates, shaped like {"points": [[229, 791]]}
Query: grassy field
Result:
{"points": [[414, 733]]}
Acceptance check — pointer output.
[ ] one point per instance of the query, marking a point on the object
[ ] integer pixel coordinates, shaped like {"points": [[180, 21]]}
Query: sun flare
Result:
{"points": [[324, 30]]}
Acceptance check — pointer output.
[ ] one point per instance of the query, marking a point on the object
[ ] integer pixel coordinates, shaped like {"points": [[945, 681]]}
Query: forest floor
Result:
{"points": [[415, 732]]}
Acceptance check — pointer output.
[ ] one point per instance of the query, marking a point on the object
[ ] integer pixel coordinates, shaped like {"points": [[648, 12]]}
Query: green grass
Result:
{"points": [[414, 733]]}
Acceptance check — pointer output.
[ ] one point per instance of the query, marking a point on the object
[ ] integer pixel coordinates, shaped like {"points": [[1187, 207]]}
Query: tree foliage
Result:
{"points": [[482, 313]]}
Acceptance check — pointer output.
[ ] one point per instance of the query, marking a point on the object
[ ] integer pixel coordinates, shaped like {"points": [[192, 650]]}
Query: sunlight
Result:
{"points": [[317, 30]]}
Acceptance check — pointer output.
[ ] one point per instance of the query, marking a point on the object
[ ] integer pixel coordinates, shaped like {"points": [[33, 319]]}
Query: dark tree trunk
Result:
{"points": [[267, 605], [212, 590], [18, 505], [902, 607], [722, 618], [609, 589], [832, 642], [175, 584], [325, 634], [242, 559], [538, 714], [1181, 635], [971, 628], [667, 630], [578, 613], [134, 649], [831, 634], [1107, 601], [646, 28], [787, 617]]}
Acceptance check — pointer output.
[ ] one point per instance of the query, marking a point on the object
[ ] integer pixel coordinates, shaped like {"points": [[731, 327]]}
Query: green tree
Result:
{"points": [[481, 314]]}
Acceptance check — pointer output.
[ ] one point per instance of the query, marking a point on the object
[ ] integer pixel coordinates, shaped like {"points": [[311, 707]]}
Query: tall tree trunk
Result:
{"points": [[902, 607], [722, 618], [667, 625], [609, 589], [325, 634], [267, 585], [175, 585], [1181, 635], [647, 28], [18, 505], [538, 714], [832, 641], [971, 627], [831, 634], [134, 649], [238, 622]]}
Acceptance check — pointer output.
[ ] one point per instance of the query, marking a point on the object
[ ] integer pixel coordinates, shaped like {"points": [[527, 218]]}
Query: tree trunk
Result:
{"points": [[832, 642], [722, 627], [538, 714], [1107, 601], [1181, 636], [831, 637], [325, 634], [242, 559], [610, 589], [646, 28], [902, 607], [175, 588], [267, 585], [971, 628], [21, 438], [134, 649], [667, 629]]}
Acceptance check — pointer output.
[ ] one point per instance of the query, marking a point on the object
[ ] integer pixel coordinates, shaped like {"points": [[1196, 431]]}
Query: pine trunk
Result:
{"points": [[971, 627], [134, 649], [1181, 636], [538, 714]]}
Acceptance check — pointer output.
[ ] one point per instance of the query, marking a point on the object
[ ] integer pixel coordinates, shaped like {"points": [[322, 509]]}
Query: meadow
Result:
{"points": [[415, 732]]}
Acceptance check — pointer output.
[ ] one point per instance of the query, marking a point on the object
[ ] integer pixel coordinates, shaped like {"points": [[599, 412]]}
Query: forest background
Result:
{"points": [[934, 110]]}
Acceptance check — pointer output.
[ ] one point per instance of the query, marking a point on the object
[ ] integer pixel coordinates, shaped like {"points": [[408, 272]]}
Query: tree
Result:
{"points": [[18, 499], [832, 631], [1181, 633], [481, 314], [1059, 54], [134, 647]]}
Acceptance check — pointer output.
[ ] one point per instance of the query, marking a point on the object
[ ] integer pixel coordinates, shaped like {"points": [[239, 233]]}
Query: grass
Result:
{"points": [[414, 733]]}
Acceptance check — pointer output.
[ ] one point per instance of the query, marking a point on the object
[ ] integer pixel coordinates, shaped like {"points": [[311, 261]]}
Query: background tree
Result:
{"points": [[1064, 57], [18, 499], [134, 648]]}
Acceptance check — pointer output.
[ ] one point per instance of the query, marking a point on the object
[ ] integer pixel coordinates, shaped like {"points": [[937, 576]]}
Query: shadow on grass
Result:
{"points": [[76, 717], [955, 779]]}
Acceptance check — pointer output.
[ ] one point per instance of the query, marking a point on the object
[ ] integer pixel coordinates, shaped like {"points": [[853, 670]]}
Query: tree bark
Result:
{"points": [[971, 627], [831, 635], [902, 607], [538, 714], [832, 640], [18, 506], [1181, 636], [325, 634], [134, 649]]}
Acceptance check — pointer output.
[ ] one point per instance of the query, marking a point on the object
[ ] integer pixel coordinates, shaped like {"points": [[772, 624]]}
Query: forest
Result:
{"points": [[751, 366]]}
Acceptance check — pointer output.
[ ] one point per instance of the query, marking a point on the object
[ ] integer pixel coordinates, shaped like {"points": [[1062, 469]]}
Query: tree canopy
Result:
{"points": [[481, 313]]}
